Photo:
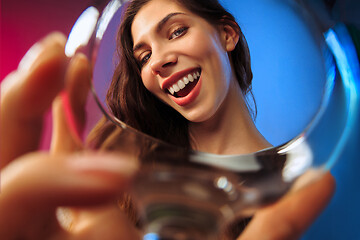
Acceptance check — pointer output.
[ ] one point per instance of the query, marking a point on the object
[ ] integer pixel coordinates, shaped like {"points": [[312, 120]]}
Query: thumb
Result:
{"points": [[26, 95], [292, 215], [35, 184]]}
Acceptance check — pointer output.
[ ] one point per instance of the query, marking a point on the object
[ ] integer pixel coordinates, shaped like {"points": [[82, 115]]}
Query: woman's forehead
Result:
{"points": [[152, 13]]}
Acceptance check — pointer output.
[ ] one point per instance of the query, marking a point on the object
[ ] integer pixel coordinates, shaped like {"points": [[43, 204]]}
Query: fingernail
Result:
{"points": [[30, 56], [38, 48], [104, 162]]}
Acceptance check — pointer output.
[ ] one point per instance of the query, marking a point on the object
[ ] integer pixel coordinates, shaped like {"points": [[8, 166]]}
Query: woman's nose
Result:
{"points": [[161, 63]]}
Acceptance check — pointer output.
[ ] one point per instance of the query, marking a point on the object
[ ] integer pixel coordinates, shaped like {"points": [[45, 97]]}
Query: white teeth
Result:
{"points": [[191, 79], [186, 80], [176, 88], [183, 82]]}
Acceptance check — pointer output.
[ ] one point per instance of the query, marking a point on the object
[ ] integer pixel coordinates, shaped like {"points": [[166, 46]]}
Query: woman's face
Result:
{"points": [[184, 59]]}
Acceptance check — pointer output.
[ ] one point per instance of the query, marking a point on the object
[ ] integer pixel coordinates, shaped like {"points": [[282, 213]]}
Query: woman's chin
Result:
{"points": [[198, 116]]}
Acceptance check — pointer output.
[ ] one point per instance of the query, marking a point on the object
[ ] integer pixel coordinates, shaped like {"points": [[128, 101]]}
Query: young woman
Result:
{"points": [[161, 54], [184, 76]]}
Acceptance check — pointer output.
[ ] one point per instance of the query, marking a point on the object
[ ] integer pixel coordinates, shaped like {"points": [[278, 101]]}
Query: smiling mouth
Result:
{"points": [[185, 85]]}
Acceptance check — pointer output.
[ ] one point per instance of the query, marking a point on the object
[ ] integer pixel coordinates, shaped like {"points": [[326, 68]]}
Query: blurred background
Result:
{"points": [[23, 22]]}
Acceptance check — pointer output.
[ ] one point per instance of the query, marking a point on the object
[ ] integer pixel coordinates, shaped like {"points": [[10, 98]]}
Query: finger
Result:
{"points": [[34, 185], [78, 86], [69, 107], [105, 222], [27, 94], [291, 216]]}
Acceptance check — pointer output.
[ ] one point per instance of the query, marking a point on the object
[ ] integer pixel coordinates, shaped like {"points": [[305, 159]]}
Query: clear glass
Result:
{"points": [[184, 194]]}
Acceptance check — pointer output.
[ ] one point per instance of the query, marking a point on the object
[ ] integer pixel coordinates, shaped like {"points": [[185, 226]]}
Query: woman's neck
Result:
{"points": [[230, 131]]}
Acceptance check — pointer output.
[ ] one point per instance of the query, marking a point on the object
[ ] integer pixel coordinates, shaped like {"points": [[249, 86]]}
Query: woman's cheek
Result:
{"points": [[148, 81], [200, 45], [195, 47]]}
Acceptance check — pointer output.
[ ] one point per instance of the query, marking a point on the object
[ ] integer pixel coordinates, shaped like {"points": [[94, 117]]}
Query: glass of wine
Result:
{"points": [[186, 194]]}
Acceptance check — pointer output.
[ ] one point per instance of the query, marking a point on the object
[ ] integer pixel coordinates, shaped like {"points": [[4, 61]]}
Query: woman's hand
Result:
{"points": [[289, 218], [34, 184]]}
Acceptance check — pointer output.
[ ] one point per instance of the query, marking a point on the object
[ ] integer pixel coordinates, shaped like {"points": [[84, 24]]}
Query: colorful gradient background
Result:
{"points": [[23, 22]]}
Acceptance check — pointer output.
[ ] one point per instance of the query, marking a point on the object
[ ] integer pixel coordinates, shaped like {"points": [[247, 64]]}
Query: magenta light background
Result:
{"points": [[23, 22]]}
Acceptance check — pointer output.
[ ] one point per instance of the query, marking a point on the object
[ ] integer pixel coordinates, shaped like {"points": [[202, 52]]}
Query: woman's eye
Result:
{"points": [[178, 32], [145, 59]]}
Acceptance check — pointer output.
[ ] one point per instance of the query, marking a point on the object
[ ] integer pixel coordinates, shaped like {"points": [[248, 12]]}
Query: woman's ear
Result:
{"points": [[230, 37]]}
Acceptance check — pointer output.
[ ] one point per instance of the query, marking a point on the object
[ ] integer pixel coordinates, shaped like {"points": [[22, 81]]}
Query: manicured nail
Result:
{"points": [[30, 57], [38, 48], [104, 162]]}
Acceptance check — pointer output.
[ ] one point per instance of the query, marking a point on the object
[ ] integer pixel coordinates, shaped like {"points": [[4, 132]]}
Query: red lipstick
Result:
{"points": [[189, 98], [176, 77]]}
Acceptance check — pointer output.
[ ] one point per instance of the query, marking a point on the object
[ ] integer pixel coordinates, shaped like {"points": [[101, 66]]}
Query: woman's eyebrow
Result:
{"points": [[159, 26]]}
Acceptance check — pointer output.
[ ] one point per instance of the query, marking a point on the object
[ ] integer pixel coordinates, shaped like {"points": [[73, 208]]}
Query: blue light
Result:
{"points": [[151, 236], [348, 66]]}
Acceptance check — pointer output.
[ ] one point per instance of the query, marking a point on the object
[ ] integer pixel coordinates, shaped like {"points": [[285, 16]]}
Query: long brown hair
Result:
{"points": [[133, 104]]}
